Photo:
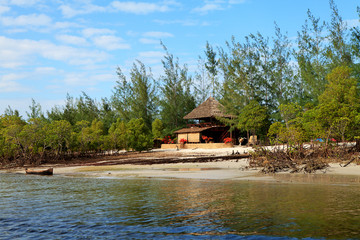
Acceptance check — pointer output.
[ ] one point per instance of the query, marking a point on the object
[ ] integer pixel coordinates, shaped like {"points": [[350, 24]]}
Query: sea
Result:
{"points": [[58, 207]]}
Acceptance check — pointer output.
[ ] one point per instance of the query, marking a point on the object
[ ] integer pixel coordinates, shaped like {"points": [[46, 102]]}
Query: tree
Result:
{"points": [[241, 84], [176, 98], [32, 138], [118, 135], [35, 110], [202, 85], [58, 136], [10, 112], [355, 47], [136, 98], [157, 128], [338, 51], [282, 79], [107, 114], [289, 112], [340, 100], [86, 108], [252, 118], [311, 60], [211, 66], [264, 65], [139, 136], [10, 129]]}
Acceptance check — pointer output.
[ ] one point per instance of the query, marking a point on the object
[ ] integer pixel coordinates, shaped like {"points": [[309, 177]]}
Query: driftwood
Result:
{"points": [[48, 171], [351, 160], [293, 160], [164, 160]]}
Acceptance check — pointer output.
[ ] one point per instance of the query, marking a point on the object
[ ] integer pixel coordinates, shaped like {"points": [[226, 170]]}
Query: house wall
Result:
{"points": [[190, 137], [197, 145]]}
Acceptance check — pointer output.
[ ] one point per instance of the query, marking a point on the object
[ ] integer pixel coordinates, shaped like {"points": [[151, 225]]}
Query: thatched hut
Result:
{"points": [[205, 124]]}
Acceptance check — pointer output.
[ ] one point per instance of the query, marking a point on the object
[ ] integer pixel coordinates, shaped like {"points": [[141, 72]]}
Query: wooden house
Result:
{"points": [[204, 124]]}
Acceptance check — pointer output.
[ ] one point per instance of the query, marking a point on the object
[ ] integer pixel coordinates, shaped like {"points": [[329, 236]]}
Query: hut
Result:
{"points": [[204, 126]]}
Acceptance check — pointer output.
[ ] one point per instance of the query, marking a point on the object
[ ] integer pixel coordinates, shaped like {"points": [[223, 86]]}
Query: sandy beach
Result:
{"points": [[215, 170]]}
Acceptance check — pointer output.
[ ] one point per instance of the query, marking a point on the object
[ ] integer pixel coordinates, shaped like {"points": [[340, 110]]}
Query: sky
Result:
{"points": [[51, 48]]}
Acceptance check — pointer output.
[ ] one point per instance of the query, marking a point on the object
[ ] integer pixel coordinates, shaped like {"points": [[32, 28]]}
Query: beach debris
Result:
{"points": [[351, 160], [295, 159], [167, 160]]}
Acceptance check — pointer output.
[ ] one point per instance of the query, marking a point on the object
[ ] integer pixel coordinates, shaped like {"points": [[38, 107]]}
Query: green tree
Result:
{"points": [[339, 100], [282, 81], [139, 136], [252, 118], [118, 135], [176, 96], [338, 51], [10, 129], [211, 66], [58, 136], [289, 112], [157, 128], [202, 85], [136, 98], [311, 60]]}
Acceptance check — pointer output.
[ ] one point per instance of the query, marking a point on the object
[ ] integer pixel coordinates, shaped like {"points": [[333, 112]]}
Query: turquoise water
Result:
{"points": [[40, 207]]}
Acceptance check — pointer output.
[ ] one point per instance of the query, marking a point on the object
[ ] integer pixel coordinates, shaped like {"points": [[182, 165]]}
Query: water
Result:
{"points": [[40, 207]]}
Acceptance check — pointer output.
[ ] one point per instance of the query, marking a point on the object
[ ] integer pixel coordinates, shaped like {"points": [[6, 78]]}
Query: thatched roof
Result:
{"points": [[192, 130], [209, 108]]}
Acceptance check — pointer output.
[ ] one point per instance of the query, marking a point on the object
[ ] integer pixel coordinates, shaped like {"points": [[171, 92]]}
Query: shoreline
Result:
{"points": [[214, 170]]}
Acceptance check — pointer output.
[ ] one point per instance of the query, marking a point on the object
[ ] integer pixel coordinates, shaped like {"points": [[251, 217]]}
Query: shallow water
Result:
{"points": [[41, 207]]}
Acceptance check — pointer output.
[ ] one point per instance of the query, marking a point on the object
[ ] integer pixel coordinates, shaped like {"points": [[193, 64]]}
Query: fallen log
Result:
{"points": [[48, 171], [351, 160]]}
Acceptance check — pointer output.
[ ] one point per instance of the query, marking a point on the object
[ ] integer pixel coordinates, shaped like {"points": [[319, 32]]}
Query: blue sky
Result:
{"points": [[49, 48]]}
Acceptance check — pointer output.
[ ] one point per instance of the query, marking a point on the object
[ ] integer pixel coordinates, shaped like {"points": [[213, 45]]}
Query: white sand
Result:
{"points": [[226, 170]]}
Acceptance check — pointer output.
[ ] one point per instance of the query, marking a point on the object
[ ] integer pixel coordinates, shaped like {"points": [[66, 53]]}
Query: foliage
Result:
{"points": [[137, 97], [139, 136], [228, 140], [252, 117], [157, 128], [183, 140], [176, 98]]}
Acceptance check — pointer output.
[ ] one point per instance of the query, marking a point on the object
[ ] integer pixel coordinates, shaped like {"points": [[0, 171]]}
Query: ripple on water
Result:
{"points": [[36, 207]]}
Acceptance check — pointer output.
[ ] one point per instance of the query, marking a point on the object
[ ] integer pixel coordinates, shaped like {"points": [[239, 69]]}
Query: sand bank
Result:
{"points": [[221, 170]]}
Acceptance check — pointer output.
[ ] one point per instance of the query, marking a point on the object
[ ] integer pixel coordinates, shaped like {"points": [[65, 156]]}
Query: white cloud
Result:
{"points": [[139, 7], [8, 83], [149, 41], [27, 20], [151, 57], [4, 9], [183, 22], [207, 8], [69, 39], [152, 54], [19, 52], [158, 34], [236, 1], [353, 23], [110, 42], [89, 32], [216, 5], [69, 12], [45, 70], [82, 79], [65, 25], [23, 3]]}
